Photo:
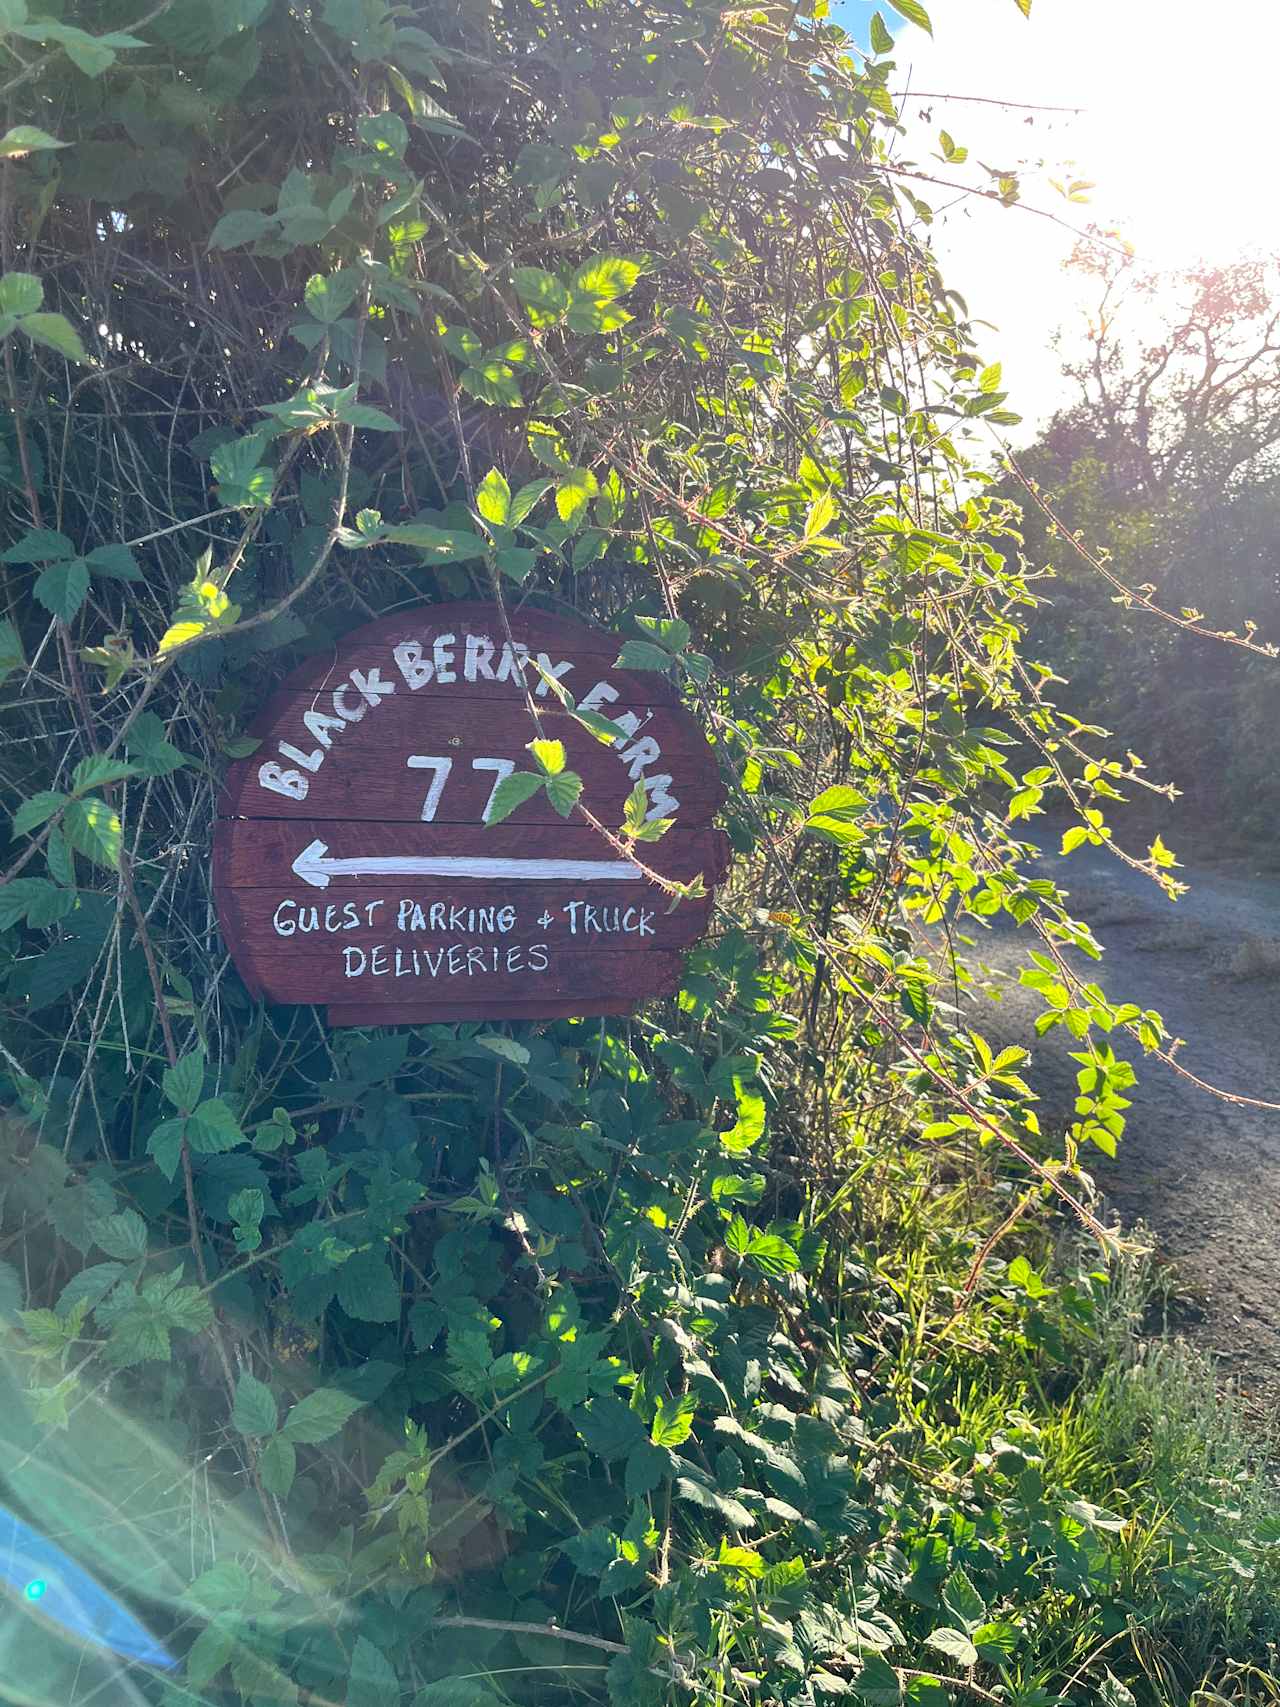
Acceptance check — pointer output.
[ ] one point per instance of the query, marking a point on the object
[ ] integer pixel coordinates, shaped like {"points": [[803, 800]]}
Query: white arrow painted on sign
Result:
{"points": [[314, 866]]}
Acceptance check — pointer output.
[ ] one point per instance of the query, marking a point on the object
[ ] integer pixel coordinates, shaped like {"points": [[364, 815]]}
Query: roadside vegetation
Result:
{"points": [[766, 1347]]}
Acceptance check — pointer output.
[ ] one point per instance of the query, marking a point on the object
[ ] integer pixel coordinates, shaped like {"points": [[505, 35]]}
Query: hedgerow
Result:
{"points": [[457, 1364]]}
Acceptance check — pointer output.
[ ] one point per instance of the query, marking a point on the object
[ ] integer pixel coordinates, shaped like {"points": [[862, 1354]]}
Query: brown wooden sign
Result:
{"points": [[352, 863]]}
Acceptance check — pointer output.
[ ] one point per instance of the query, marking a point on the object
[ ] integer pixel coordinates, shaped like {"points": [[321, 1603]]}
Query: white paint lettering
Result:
{"points": [[378, 960], [319, 723], [416, 670], [371, 686], [292, 784], [309, 761], [513, 661], [547, 668], [345, 712], [661, 803], [442, 656], [477, 664], [641, 753], [501, 768], [282, 922], [441, 769], [601, 694], [370, 908], [353, 961]]}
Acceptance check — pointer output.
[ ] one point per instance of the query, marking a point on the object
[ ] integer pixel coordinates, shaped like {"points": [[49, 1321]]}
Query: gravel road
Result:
{"points": [[1202, 1173]]}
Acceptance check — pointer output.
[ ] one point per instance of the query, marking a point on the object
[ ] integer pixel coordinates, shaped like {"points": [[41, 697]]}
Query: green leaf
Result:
{"points": [[23, 139], [643, 655], [772, 1255], [39, 545], [673, 1421], [881, 40], [526, 498], [90, 1286], [20, 293], [20, 894], [96, 771], [563, 791], [56, 333], [492, 381], [329, 297], [367, 1289], [387, 133], [213, 1128], [511, 792], [493, 498], [542, 293], [239, 227], [165, 1146], [62, 588], [116, 562], [821, 512], [371, 420], [93, 828], [319, 1416], [878, 1684], [122, 1236], [606, 277], [11, 654], [373, 1681], [223, 1587], [210, 1651], [506, 1047], [278, 1466], [548, 756], [989, 378], [574, 491], [963, 1601], [32, 813], [647, 1466], [728, 1509], [254, 1411], [439, 545], [183, 1084], [1095, 1516], [954, 1644], [515, 562]]}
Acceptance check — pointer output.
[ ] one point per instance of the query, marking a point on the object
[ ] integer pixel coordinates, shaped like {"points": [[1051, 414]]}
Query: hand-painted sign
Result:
{"points": [[353, 865]]}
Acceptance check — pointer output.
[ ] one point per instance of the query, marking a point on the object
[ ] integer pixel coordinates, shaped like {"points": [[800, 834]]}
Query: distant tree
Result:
{"points": [[1169, 466], [1195, 406]]}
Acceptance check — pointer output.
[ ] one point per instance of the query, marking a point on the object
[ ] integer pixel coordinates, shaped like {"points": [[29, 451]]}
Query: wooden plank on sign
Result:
{"points": [[266, 853], [404, 758], [444, 986], [465, 642]]}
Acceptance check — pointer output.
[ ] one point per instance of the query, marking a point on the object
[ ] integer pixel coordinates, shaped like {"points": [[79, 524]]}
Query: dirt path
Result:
{"points": [[1202, 1173]]}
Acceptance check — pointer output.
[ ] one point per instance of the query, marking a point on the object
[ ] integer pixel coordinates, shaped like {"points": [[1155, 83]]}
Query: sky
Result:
{"points": [[1177, 134]]}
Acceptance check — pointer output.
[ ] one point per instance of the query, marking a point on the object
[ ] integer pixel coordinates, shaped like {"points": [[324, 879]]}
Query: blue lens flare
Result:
{"points": [[69, 1597]]}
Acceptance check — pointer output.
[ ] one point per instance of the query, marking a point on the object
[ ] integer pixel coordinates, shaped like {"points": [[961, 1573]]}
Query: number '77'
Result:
{"points": [[440, 768]]}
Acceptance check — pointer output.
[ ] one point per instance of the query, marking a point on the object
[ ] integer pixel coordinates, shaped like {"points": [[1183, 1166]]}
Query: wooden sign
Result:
{"points": [[352, 863]]}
